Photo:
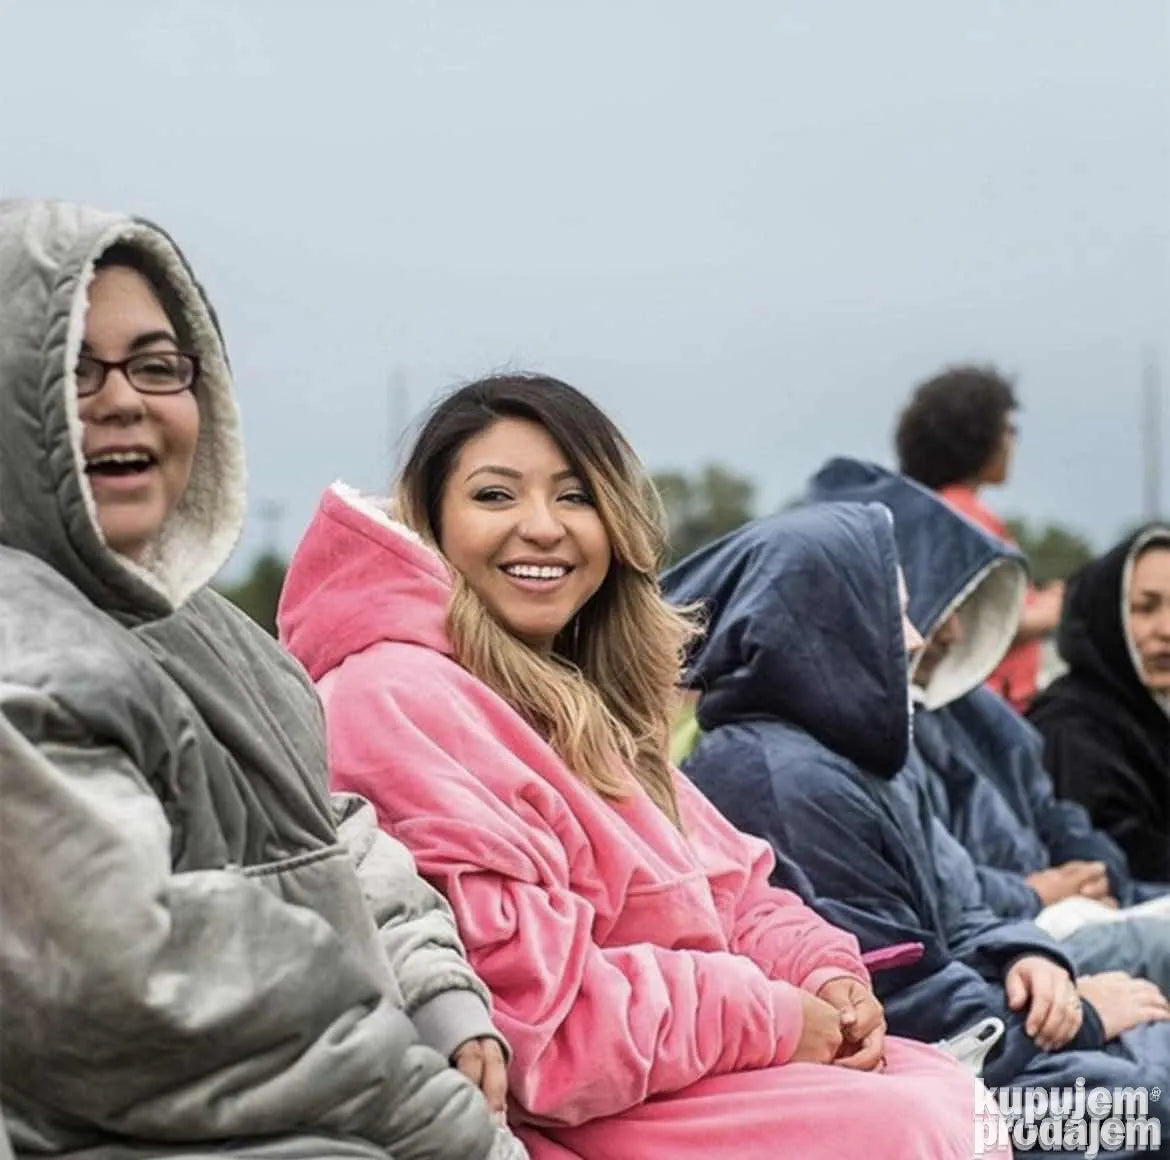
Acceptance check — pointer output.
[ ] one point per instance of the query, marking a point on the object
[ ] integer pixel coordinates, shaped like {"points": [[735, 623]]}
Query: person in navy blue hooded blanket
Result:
{"points": [[1036, 856], [804, 707]]}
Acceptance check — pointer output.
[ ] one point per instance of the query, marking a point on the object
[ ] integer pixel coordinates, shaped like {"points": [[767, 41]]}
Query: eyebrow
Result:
{"points": [[512, 473], [147, 339]]}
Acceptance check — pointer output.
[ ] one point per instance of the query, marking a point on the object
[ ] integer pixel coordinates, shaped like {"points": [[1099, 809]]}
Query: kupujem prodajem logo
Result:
{"points": [[1092, 1121]]}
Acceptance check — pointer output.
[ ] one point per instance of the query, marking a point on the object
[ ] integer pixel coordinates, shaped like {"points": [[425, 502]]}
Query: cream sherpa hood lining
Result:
{"points": [[201, 532], [1156, 535], [989, 615], [380, 510]]}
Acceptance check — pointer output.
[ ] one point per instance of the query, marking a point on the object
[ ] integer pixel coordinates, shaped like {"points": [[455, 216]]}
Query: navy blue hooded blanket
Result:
{"points": [[805, 715], [992, 789]]}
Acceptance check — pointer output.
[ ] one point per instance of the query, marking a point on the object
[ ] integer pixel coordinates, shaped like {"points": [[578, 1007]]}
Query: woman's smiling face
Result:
{"points": [[138, 448], [521, 527]]}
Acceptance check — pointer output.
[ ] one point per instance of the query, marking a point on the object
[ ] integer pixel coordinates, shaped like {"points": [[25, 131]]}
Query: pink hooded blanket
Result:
{"points": [[647, 979]]}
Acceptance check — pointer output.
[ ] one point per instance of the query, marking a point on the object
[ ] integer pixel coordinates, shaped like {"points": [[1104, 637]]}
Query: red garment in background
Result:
{"points": [[1019, 672]]}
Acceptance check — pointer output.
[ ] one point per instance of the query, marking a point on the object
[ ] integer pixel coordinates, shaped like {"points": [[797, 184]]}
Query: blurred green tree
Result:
{"points": [[1054, 551], [259, 592], [703, 506]]}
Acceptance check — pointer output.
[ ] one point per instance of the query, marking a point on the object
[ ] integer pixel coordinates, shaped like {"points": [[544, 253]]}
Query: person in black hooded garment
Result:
{"points": [[1106, 722], [804, 708]]}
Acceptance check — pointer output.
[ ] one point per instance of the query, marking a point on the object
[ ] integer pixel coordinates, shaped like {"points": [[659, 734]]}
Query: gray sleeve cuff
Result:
{"points": [[453, 1017]]}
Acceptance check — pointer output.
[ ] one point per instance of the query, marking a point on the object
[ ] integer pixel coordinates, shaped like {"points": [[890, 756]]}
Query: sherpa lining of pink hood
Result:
{"points": [[357, 579]]}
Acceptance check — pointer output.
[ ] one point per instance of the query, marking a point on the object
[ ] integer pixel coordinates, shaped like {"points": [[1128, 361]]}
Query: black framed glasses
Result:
{"points": [[155, 372]]}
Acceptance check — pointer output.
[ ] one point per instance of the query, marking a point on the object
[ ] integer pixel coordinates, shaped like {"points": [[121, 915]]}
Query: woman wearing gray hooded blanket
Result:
{"points": [[188, 961]]}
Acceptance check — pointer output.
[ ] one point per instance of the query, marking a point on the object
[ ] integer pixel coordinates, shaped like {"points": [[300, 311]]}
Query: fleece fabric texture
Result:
{"points": [[186, 954], [804, 647], [992, 790], [648, 979], [1017, 675]]}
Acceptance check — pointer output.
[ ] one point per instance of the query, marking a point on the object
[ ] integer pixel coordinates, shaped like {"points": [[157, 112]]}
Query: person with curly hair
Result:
{"points": [[957, 436]]}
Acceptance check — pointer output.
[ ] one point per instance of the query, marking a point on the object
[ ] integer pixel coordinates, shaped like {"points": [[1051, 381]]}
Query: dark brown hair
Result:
{"points": [[130, 257], [605, 697]]}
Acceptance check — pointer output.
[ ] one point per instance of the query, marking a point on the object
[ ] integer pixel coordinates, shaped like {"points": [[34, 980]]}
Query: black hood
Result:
{"points": [[1094, 637]]}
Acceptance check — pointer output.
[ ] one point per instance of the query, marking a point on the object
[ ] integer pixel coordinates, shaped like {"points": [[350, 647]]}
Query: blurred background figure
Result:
{"points": [[956, 436]]}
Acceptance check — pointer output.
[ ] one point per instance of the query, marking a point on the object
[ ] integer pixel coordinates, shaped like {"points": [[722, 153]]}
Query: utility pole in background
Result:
{"points": [[1152, 448], [398, 417]]}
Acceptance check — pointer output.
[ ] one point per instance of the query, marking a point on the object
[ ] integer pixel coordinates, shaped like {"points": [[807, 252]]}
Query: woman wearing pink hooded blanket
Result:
{"points": [[499, 676]]}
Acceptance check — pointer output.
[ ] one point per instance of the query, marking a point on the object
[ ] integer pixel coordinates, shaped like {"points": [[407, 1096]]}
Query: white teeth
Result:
{"points": [[534, 572], [127, 457]]}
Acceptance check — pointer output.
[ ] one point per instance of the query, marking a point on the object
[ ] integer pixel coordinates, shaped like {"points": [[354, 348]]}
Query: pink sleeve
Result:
{"points": [[773, 927], [594, 1030]]}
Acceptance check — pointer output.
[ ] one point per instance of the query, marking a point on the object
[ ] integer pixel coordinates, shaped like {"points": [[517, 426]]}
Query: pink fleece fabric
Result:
{"points": [[647, 980]]}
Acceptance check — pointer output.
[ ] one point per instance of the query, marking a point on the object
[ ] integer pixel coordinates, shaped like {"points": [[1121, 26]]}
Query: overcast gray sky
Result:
{"points": [[746, 228]]}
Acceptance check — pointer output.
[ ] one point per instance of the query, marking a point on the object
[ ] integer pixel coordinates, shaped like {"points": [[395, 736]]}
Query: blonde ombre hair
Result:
{"points": [[605, 697]]}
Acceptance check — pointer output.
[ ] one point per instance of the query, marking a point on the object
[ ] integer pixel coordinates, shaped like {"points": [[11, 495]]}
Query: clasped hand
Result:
{"points": [[844, 1024], [1050, 995], [482, 1061]]}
